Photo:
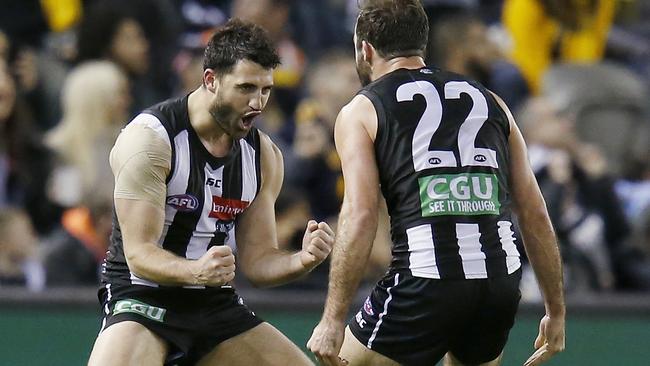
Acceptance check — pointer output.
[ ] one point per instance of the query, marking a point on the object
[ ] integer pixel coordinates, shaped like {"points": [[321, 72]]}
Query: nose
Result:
{"points": [[256, 101]]}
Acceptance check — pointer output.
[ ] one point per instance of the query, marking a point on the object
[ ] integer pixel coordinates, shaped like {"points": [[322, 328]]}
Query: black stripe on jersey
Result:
{"points": [[219, 238], [232, 177], [495, 261], [182, 228], [447, 256]]}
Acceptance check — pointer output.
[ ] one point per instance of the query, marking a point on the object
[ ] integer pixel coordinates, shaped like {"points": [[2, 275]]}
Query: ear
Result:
{"points": [[210, 80], [367, 52]]}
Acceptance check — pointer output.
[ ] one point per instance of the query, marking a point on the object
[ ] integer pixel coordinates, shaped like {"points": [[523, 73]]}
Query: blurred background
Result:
{"points": [[576, 74]]}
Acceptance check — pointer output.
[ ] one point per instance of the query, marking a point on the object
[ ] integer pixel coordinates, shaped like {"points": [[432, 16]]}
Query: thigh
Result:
{"points": [[128, 343], [262, 345], [451, 360], [357, 354]]}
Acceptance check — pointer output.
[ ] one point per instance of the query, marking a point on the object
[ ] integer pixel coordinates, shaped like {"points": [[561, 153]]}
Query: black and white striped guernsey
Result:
{"points": [[443, 159], [204, 193]]}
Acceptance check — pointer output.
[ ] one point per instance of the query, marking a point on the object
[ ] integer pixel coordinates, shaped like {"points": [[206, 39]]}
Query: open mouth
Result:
{"points": [[247, 119]]}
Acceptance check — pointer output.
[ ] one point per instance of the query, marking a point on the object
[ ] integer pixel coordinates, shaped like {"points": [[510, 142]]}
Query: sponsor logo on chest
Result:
{"points": [[459, 194], [226, 209]]}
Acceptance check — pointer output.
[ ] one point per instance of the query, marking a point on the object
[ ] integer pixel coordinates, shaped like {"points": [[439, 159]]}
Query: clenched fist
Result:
{"points": [[215, 268], [316, 244]]}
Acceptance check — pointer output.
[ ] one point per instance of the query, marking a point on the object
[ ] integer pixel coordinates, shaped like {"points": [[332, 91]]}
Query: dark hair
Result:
{"points": [[237, 40], [395, 28], [98, 28]]}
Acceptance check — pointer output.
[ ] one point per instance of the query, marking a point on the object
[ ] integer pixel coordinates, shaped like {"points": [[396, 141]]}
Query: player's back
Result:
{"points": [[442, 154]]}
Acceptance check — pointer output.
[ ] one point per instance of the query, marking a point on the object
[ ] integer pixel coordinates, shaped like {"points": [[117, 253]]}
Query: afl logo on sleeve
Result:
{"points": [[183, 202]]}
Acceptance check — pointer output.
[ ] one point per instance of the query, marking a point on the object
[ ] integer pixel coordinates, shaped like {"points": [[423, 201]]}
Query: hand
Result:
{"points": [[215, 268], [316, 244], [326, 342], [549, 341]]}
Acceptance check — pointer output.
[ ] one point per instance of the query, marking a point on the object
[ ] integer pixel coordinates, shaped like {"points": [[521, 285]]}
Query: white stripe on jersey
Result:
{"points": [[422, 256], [383, 313], [506, 235], [109, 296], [249, 176], [473, 259], [205, 228], [135, 280]]}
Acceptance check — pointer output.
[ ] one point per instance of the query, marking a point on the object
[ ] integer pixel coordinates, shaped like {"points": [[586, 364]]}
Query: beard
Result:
{"points": [[227, 118], [363, 71]]}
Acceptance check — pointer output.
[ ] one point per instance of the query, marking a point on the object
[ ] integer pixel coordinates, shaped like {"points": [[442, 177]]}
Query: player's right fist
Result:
{"points": [[215, 268]]}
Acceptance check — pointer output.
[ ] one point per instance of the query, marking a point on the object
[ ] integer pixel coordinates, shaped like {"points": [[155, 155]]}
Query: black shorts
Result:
{"points": [[415, 321], [192, 321]]}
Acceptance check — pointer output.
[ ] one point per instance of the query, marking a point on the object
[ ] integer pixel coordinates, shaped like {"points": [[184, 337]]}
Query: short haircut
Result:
{"points": [[395, 28], [238, 40]]}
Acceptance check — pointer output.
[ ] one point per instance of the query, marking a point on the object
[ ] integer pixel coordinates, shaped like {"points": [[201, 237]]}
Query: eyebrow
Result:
{"points": [[251, 85]]}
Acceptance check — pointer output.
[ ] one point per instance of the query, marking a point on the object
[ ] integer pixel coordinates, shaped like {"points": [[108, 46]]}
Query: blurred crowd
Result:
{"points": [[73, 73]]}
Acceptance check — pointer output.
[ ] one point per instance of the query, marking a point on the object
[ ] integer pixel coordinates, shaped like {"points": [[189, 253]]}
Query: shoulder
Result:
{"points": [[145, 129], [272, 164], [360, 112], [268, 148], [144, 134]]}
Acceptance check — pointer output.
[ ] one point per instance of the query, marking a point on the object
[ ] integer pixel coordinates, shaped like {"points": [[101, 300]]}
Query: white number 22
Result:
{"points": [[470, 155]]}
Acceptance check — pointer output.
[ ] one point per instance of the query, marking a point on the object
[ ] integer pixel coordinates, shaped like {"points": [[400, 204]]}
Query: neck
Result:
{"points": [[214, 138], [382, 67]]}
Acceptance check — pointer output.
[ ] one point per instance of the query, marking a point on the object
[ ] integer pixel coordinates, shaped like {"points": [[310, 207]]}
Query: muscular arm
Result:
{"points": [[535, 225], [358, 218], [259, 255], [140, 161]]}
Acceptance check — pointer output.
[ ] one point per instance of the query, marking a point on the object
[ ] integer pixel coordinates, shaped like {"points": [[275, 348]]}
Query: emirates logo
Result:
{"points": [[226, 209]]}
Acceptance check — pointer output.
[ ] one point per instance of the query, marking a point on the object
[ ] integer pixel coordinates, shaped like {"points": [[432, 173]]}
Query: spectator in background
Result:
{"points": [[24, 161], [583, 206], [19, 251], [73, 255], [316, 169], [113, 33], [95, 107], [548, 31], [273, 16], [460, 43]]}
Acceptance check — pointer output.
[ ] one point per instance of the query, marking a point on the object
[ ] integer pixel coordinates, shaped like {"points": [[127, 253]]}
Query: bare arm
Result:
{"points": [[540, 244], [140, 161], [535, 225], [357, 223], [259, 255], [358, 218]]}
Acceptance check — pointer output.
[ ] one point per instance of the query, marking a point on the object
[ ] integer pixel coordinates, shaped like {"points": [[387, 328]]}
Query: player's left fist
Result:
{"points": [[316, 244]]}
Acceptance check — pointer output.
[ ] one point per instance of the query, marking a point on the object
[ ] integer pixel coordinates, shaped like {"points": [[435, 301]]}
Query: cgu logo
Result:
{"points": [[460, 188], [137, 307], [183, 202]]}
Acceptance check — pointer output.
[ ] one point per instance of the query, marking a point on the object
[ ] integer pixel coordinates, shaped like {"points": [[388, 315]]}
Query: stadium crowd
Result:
{"points": [[73, 73]]}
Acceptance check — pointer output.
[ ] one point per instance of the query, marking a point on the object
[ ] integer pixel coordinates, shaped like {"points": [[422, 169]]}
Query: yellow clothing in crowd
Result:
{"points": [[535, 35]]}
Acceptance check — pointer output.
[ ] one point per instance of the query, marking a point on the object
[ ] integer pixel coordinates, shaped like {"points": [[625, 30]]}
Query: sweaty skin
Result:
{"points": [[141, 156]]}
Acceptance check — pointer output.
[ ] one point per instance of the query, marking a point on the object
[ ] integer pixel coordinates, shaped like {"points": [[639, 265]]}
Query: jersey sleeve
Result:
{"points": [[141, 161]]}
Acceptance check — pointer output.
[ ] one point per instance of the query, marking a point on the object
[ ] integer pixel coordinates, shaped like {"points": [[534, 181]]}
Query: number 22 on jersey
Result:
{"points": [[470, 155], [452, 194]]}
